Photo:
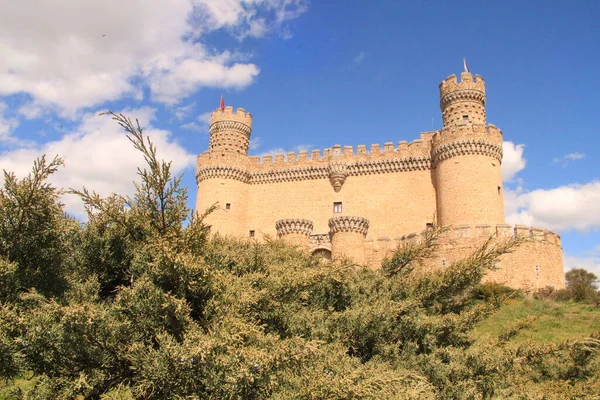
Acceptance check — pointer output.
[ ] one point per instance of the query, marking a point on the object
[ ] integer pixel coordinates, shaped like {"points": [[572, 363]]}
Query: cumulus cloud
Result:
{"points": [[512, 160], [68, 55], [567, 158], [570, 207], [98, 156]]}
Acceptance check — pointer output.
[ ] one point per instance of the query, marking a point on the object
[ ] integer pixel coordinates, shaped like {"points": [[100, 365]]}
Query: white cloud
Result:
{"points": [[68, 55], [98, 156], [255, 142], [571, 207], [201, 124], [589, 261], [567, 158], [359, 58], [7, 125], [512, 160]]}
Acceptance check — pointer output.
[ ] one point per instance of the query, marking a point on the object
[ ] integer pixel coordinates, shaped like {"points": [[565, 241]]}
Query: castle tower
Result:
{"points": [[466, 156], [348, 237], [462, 102], [230, 132], [221, 172], [294, 231]]}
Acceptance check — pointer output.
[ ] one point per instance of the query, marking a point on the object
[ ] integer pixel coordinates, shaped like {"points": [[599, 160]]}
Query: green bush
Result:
{"points": [[492, 291]]}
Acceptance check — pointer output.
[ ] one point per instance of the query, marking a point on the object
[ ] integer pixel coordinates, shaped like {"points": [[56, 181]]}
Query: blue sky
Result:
{"points": [[313, 74]]}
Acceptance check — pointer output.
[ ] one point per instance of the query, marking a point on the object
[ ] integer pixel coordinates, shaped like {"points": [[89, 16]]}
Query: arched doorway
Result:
{"points": [[322, 253]]}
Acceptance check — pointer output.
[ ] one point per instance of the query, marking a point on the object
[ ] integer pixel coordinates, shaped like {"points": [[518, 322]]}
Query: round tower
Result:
{"points": [[221, 172], [230, 131], [462, 102], [294, 231], [466, 156], [348, 237]]}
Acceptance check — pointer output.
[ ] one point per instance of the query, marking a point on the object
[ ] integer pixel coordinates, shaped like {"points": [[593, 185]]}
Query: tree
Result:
{"points": [[581, 284], [33, 229]]}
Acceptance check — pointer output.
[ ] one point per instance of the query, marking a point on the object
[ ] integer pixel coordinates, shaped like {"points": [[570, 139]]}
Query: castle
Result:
{"points": [[362, 204]]}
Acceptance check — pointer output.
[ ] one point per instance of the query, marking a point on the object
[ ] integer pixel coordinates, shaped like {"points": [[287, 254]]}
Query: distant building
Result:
{"points": [[362, 203]]}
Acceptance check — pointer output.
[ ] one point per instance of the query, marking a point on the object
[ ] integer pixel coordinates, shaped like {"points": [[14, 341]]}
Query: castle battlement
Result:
{"points": [[417, 148], [239, 115], [485, 231], [451, 85]]}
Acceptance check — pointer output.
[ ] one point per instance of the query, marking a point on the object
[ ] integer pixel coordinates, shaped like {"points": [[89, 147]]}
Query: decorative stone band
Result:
{"points": [[314, 172], [349, 224], [289, 174], [462, 95], [467, 147], [293, 225], [389, 165], [220, 126], [222, 171], [320, 238]]}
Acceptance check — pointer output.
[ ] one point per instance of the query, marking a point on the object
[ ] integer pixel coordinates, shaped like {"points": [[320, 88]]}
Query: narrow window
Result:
{"points": [[430, 225], [499, 189], [337, 207], [227, 206], [465, 117], [251, 233]]}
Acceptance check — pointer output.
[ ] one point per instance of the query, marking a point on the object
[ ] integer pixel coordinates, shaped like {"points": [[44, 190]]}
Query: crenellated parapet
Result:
{"points": [[456, 233], [349, 224], [293, 226], [467, 139], [335, 163]]}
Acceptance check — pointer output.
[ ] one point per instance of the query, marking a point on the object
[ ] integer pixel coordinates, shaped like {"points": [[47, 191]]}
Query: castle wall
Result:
{"points": [[394, 203], [534, 264], [392, 186]]}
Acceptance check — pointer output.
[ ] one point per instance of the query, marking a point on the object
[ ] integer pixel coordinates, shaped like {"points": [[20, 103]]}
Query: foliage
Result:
{"points": [[33, 231], [581, 284], [491, 291], [152, 306]]}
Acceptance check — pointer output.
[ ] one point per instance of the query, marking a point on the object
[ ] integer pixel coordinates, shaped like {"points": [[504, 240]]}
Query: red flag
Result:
{"points": [[222, 104]]}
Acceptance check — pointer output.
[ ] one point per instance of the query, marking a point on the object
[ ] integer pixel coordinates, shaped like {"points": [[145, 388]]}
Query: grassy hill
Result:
{"points": [[551, 321]]}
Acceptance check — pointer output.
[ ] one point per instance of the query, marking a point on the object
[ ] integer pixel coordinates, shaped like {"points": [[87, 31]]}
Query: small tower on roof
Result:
{"points": [[463, 102]]}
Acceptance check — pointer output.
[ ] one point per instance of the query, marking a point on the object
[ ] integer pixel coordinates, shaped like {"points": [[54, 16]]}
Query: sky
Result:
{"points": [[313, 74]]}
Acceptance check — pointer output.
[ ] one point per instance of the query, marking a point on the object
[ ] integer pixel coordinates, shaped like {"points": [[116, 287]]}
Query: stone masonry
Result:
{"points": [[362, 203]]}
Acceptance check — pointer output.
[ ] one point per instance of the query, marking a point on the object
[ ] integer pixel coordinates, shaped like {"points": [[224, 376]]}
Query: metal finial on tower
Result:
{"points": [[466, 66]]}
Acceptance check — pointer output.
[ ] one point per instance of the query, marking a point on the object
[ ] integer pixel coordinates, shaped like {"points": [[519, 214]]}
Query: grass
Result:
{"points": [[6, 388], [553, 321]]}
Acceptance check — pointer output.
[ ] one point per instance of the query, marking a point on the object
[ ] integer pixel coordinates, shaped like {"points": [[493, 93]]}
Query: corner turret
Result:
{"points": [[462, 102]]}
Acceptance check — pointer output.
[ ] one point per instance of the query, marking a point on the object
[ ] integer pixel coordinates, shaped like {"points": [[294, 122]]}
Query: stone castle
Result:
{"points": [[364, 203]]}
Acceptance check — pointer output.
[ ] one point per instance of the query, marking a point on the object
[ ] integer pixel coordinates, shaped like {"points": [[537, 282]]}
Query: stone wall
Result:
{"points": [[535, 264]]}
